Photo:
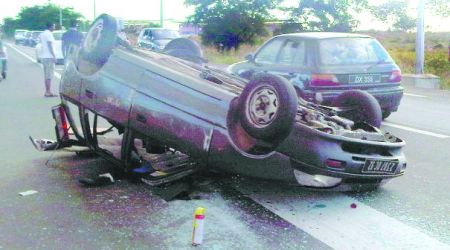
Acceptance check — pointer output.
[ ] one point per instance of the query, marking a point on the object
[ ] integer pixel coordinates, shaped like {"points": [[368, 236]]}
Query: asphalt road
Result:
{"points": [[410, 212]]}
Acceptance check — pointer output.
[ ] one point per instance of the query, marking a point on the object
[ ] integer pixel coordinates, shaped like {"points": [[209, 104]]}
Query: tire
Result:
{"points": [[385, 114], [185, 49], [276, 98], [4, 75], [185, 55], [184, 43], [100, 40], [365, 108]]}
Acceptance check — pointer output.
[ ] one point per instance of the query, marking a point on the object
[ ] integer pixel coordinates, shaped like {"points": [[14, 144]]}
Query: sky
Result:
{"points": [[175, 9]]}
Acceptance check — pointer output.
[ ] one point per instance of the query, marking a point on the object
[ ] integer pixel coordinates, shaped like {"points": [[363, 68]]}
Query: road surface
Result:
{"points": [[410, 212]]}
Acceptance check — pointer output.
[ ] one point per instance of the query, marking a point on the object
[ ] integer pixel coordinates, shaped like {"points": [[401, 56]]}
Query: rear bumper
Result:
{"points": [[388, 98], [350, 152]]}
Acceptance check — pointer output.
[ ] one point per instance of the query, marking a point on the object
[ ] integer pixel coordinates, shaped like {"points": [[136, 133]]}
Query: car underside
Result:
{"points": [[168, 115]]}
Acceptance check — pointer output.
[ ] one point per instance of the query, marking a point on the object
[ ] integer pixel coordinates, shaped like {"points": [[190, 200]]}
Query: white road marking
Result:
{"points": [[57, 75], [415, 95], [415, 130], [329, 218]]}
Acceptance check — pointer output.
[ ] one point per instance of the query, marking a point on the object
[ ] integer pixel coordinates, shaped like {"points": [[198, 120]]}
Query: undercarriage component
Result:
{"points": [[167, 168]]}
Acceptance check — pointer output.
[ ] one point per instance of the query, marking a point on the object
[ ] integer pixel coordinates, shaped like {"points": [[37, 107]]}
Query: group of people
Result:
{"points": [[47, 53]]}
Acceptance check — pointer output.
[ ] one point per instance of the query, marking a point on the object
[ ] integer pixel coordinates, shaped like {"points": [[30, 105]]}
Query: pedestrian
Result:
{"points": [[47, 56], [72, 37]]}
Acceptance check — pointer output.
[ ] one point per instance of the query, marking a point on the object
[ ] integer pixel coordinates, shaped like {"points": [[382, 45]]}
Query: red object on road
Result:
{"points": [[353, 205]]}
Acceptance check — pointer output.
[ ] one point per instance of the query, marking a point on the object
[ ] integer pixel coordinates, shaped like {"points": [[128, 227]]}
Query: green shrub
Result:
{"points": [[437, 63]]}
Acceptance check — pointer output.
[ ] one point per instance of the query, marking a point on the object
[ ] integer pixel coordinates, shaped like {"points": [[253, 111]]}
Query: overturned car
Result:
{"points": [[169, 112]]}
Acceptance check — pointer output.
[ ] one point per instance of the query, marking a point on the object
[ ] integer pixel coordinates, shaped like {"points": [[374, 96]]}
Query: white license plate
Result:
{"points": [[373, 78], [379, 167]]}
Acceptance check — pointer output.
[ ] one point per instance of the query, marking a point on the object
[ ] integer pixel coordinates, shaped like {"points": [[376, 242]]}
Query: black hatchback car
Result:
{"points": [[322, 65]]}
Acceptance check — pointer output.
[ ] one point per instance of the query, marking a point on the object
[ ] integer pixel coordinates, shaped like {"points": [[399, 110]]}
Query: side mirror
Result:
{"points": [[249, 57]]}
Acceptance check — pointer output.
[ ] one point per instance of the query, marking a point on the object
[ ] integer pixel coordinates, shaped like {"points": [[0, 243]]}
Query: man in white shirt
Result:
{"points": [[48, 58]]}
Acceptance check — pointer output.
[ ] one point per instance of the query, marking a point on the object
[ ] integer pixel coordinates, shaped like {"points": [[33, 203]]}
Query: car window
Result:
{"points": [[166, 34], [292, 53], [348, 51], [269, 52]]}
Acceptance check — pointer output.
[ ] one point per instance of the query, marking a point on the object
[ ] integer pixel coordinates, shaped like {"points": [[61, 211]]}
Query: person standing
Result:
{"points": [[72, 37], [47, 56]]}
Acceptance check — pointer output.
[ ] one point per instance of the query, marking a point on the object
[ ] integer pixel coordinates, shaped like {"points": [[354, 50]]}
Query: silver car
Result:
{"points": [[323, 65]]}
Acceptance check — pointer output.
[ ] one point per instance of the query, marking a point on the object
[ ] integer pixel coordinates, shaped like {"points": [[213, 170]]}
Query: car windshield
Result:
{"points": [[351, 51], [165, 34], [20, 33], [36, 34]]}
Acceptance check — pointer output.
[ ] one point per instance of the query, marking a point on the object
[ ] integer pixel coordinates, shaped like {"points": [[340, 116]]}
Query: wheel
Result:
{"points": [[365, 108], [185, 55], [267, 107], [184, 43], [185, 49], [100, 40], [385, 114], [4, 75]]}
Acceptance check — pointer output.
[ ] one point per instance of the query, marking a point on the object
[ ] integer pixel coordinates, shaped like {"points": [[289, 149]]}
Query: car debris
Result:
{"points": [[100, 180], [28, 192], [171, 116]]}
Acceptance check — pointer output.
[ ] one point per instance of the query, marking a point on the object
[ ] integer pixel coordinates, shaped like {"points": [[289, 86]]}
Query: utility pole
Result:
{"points": [[60, 18], [420, 37], [95, 14], [161, 12]]}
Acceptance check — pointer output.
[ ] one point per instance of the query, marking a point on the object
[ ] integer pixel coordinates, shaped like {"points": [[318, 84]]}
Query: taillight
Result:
{"points": [[319, 80], [62, 128], [335, 164], [396, 76]]}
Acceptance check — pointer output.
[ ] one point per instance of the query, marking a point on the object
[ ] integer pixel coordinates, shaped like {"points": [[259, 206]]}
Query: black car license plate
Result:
{"points": [[379, 167], [366, 78]]}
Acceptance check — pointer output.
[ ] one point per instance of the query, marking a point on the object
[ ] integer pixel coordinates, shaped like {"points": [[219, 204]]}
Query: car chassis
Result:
{"points": [[190, 117]]}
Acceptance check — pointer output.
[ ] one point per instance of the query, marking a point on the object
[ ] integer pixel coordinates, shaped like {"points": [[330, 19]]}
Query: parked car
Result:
{"points": [[27, 37], [19, 36], [57, 47], [156, 38], [175, 117], [33, 39], [3, 60], [322, 65]]}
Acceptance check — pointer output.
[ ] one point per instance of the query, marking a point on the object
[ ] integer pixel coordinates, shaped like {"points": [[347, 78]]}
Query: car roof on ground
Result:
{"points": [[323, 35]]}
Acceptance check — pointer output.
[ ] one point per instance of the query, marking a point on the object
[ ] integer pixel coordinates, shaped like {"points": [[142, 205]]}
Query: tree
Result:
{"points": [[229, 23], [439, 7], [324, 15], [394, 13], [9, 25], [35, 18]]}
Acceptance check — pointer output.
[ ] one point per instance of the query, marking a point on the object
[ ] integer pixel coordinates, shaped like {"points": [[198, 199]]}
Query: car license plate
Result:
{"points": [[373, 78], [379, 167]]}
